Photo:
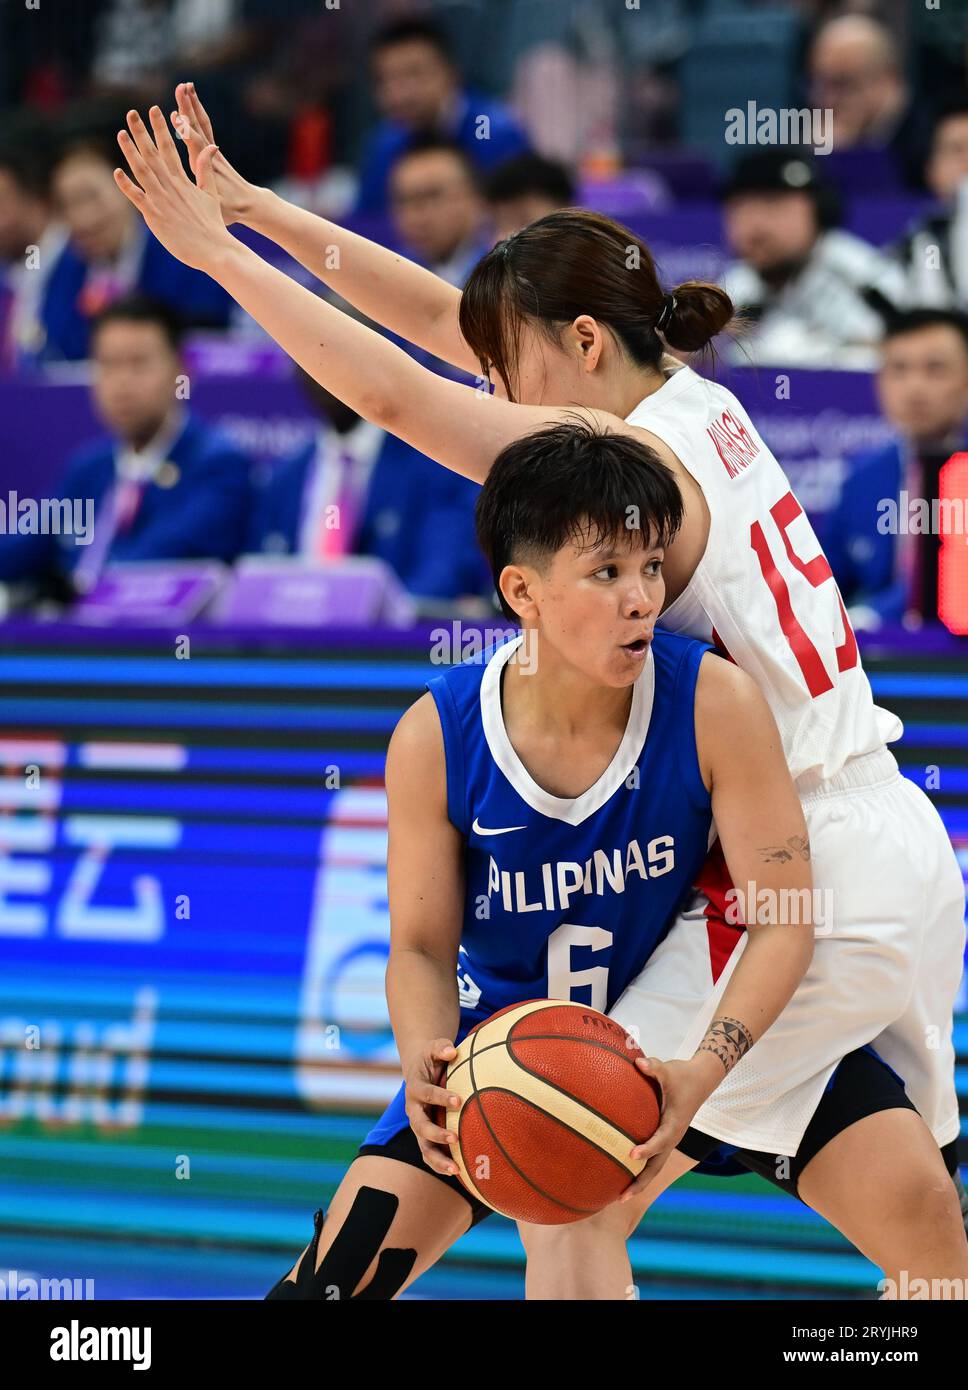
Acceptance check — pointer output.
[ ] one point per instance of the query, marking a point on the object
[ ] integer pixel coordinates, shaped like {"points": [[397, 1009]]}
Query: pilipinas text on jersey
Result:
{"points": [[565, 898]]}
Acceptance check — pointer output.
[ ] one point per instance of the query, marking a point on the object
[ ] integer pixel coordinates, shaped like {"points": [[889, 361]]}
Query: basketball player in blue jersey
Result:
{"points": [[548, 809]]}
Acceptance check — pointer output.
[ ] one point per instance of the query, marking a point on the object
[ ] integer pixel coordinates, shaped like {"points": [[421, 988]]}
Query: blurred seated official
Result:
{"points": [[437, 208], [111, 253], [440, 221], [888, 572], [418, 89], [356, 490], [934, 253], [814, 295], [856, 70], [524, 188], [163, 484]]}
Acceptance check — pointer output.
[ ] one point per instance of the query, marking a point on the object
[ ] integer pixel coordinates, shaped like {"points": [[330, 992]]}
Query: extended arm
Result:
{"points": [[389, 289], [459, 427], [765, 843]]}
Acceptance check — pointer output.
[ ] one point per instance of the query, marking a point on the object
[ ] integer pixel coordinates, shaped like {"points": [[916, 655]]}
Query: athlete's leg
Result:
{"points": [[390, 1219], [883, 1183], [388, 1222], [589, 1259], [918, 1044], [870, 1165]]}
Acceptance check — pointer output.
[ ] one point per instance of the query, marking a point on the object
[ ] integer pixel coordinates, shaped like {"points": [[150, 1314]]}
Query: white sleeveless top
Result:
{"points": [[763, 589]]}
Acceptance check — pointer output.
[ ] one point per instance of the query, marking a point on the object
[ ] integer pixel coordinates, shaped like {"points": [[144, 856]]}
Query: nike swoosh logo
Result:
{"points": [[505, 830]]}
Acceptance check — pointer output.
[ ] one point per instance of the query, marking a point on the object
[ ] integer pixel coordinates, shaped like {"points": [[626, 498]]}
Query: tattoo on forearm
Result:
{"points": [[782, 854], [729, 1039]]}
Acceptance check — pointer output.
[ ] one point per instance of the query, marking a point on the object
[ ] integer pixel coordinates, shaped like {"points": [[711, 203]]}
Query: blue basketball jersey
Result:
{"points": [[567, 897]]}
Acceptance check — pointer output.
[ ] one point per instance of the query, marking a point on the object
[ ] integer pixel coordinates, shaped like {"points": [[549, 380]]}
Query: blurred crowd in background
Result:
{"points": [[844, 249]]}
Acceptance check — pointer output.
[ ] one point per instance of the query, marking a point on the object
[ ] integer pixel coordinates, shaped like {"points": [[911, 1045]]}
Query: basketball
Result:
{"points": [[551, 1104]]}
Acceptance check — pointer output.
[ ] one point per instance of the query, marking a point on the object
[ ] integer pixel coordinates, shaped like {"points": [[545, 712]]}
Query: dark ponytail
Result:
{"points": [[699, 311], [574, 262]]}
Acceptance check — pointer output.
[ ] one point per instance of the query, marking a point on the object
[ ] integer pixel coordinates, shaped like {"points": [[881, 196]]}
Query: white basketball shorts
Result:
{"points": [[886, 967]]}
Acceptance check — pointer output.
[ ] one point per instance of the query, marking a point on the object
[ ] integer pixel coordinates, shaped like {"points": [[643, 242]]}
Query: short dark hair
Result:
{"points": [[143, 308], [27, 155], [426, 142], [546, 488], [523, 174], [90, 147], [413, 30], [89, 128], [902, 321], [952, 109]]}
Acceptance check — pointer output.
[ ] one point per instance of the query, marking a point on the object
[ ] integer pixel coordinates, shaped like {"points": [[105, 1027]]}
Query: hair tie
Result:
{"points": [[669, 304]]}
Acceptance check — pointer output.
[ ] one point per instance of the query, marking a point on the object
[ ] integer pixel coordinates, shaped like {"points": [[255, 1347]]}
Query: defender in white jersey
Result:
{"points": [[764, 594], [570, 310]]}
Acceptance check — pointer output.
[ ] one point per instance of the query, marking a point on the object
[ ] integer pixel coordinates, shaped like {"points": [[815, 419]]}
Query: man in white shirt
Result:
{"points": [[815, 296], [934, 253], [355, 490], [329, 488]]}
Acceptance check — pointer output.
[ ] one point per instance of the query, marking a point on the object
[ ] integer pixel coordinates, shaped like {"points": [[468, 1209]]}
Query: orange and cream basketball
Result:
{"points": [[551, 1105]]}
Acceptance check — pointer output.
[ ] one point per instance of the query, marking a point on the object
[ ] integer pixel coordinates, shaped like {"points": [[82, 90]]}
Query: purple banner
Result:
{"points": [[811, 420], [43, 423], [352, 592]]}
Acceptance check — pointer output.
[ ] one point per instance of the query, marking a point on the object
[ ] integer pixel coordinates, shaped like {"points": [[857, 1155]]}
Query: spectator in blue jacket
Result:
{"points": [[385, 499], [418, 90], [161, 485], [886, 566], [438, 208], [111, 253]]}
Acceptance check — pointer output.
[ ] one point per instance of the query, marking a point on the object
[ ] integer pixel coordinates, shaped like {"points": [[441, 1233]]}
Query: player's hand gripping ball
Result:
{"points": [[551, 1104]]}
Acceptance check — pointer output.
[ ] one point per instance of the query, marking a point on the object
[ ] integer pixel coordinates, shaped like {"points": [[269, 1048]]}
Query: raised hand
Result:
{"points": [[192, 124], [184, 216]]}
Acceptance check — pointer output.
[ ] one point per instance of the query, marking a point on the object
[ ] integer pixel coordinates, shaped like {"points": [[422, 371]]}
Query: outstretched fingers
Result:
{"points": [[141, 136], [191, 120], [201, 116], [166, 146], [130, 190], [137, 163], [204, 176]]}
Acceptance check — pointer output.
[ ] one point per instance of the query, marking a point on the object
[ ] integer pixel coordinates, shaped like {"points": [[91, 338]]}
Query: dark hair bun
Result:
{"points": [[701, 311]]}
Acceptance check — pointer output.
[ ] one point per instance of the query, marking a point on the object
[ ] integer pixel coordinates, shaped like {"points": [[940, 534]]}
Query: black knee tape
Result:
{"points": [[949, 1152], [351, 1254]]}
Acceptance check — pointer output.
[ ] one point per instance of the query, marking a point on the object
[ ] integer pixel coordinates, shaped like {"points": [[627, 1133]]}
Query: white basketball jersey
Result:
{"points": [[763, 590]]}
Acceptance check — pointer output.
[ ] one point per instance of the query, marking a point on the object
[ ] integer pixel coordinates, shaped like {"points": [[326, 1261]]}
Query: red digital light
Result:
{"points": [[953, 556]]}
